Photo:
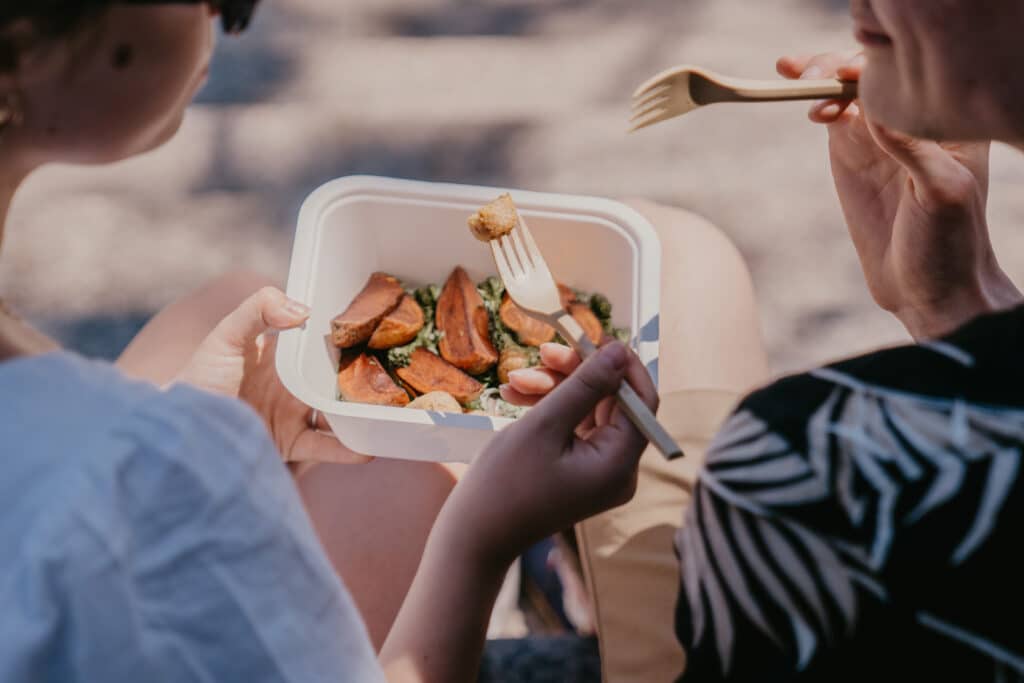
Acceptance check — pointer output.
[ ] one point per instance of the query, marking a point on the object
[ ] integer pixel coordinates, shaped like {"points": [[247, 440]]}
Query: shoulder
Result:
{"points": [[927, 427], [971, 367]]}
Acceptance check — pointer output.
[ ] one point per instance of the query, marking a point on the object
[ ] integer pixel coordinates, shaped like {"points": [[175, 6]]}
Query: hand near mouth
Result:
{"points": [[915, 210]]}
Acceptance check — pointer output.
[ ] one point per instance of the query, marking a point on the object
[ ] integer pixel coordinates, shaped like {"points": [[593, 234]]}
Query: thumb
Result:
{"points": [[575, 398], [939, 179], [267, 309]]}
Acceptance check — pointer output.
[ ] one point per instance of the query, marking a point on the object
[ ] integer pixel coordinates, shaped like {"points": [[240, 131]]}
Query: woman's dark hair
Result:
{"points": [[46, 19]]}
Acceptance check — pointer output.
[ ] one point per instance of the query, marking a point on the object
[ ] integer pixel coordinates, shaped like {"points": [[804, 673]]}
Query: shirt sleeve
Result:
{"points": [[196, 562]]}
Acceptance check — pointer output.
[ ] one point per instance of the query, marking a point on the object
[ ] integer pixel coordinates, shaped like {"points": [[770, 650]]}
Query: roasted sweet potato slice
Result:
{"points": [[582, 314], [428, 372], [588, 321], [362, 379], [380, 296], [568, 296], [463, 322], [512, 359], [398, 327], [530, 332]]}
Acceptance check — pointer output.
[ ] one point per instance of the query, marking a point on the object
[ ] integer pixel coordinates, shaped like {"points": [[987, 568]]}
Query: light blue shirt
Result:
{"points": [[152, 536]]}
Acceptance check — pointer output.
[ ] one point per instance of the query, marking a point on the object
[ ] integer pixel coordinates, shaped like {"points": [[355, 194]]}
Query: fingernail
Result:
{"points": [[616, 355], [859, 60], [830, 111], [297, 309], [518, 374], [812, 72]]}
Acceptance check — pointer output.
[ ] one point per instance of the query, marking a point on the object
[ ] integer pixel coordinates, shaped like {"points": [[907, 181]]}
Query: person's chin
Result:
{"points": [[168, 132], [157, 137]]}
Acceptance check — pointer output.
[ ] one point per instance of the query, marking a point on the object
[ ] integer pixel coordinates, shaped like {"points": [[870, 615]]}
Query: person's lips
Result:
{"points": [[869, 31], [871, 37]]}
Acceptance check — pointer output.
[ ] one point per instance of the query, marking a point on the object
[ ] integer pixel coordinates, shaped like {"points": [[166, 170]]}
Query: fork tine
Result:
{"points": [[655, 82], [531, 247], [658, 118], [666, 77], [519, 269], [661, 104], [504, 269], [528, 264], [647, 98]]}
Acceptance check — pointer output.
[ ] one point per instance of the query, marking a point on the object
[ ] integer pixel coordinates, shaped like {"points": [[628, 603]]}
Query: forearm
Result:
{"points": [[439, 634]]}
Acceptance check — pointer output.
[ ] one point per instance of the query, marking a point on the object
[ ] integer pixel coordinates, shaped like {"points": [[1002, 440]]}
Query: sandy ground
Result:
{"points": [[323, 88]]}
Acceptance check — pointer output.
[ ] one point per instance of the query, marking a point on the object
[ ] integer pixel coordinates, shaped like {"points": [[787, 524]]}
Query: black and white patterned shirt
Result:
{"points": [[866, 522]]}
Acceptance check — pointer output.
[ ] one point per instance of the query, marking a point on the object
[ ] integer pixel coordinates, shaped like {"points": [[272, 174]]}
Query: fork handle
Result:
{"points": [[634, 407], [760, 91]]}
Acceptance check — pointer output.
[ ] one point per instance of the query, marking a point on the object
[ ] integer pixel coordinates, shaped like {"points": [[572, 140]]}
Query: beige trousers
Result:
{"points": [[628, 554]]}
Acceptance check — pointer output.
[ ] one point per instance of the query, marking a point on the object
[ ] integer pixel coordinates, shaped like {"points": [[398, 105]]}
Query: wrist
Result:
{"points": [[991, 293], [464, 539]]}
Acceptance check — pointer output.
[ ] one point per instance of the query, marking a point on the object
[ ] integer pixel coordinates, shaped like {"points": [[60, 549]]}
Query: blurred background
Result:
{"points": [[530, 94]]}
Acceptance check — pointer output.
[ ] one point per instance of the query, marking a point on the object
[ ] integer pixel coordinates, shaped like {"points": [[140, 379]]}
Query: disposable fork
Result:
{"points": [[683, 89], [531, 286]]}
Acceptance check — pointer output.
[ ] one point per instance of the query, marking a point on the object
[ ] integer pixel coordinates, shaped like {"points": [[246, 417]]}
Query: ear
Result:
{"points": [[10, 101]]}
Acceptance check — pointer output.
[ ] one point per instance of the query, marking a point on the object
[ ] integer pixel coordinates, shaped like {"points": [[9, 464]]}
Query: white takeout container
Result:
{"points": [[416, 231]]}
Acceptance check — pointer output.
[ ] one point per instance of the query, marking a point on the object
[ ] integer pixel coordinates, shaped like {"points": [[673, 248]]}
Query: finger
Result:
{"points": [[640, 379], [611, 455], [829, 111], [852, 70], [267, 309], [559, 358], [516, 398], [301, 469], [535, 381], [324, 447], [619, 440], [791, 66], [603, 414], [587, 427], [825, 65], [938, 177], [618, 433], [565, 407]]}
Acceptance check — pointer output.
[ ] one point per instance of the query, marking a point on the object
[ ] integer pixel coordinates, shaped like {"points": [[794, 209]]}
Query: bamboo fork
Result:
{"points": [[531, 286], [682, 89]]}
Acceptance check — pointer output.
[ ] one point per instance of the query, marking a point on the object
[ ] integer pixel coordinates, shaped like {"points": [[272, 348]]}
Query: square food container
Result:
{"points": [[416, 231]]}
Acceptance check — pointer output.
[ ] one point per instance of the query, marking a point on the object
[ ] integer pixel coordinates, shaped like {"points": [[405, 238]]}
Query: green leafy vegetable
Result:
{"points": [[491, 291], [602, 308]]}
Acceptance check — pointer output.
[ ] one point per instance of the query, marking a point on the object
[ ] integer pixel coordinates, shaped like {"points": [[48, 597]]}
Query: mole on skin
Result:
{"points": [[124, 55]]}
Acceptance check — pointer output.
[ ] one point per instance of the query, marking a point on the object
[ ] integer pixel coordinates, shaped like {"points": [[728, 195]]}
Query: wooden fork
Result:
{"points": [[529, 283], [682, 89]]}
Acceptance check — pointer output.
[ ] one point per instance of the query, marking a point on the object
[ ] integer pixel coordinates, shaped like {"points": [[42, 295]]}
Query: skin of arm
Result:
{"points": [[439, 634], [574, 455]]}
